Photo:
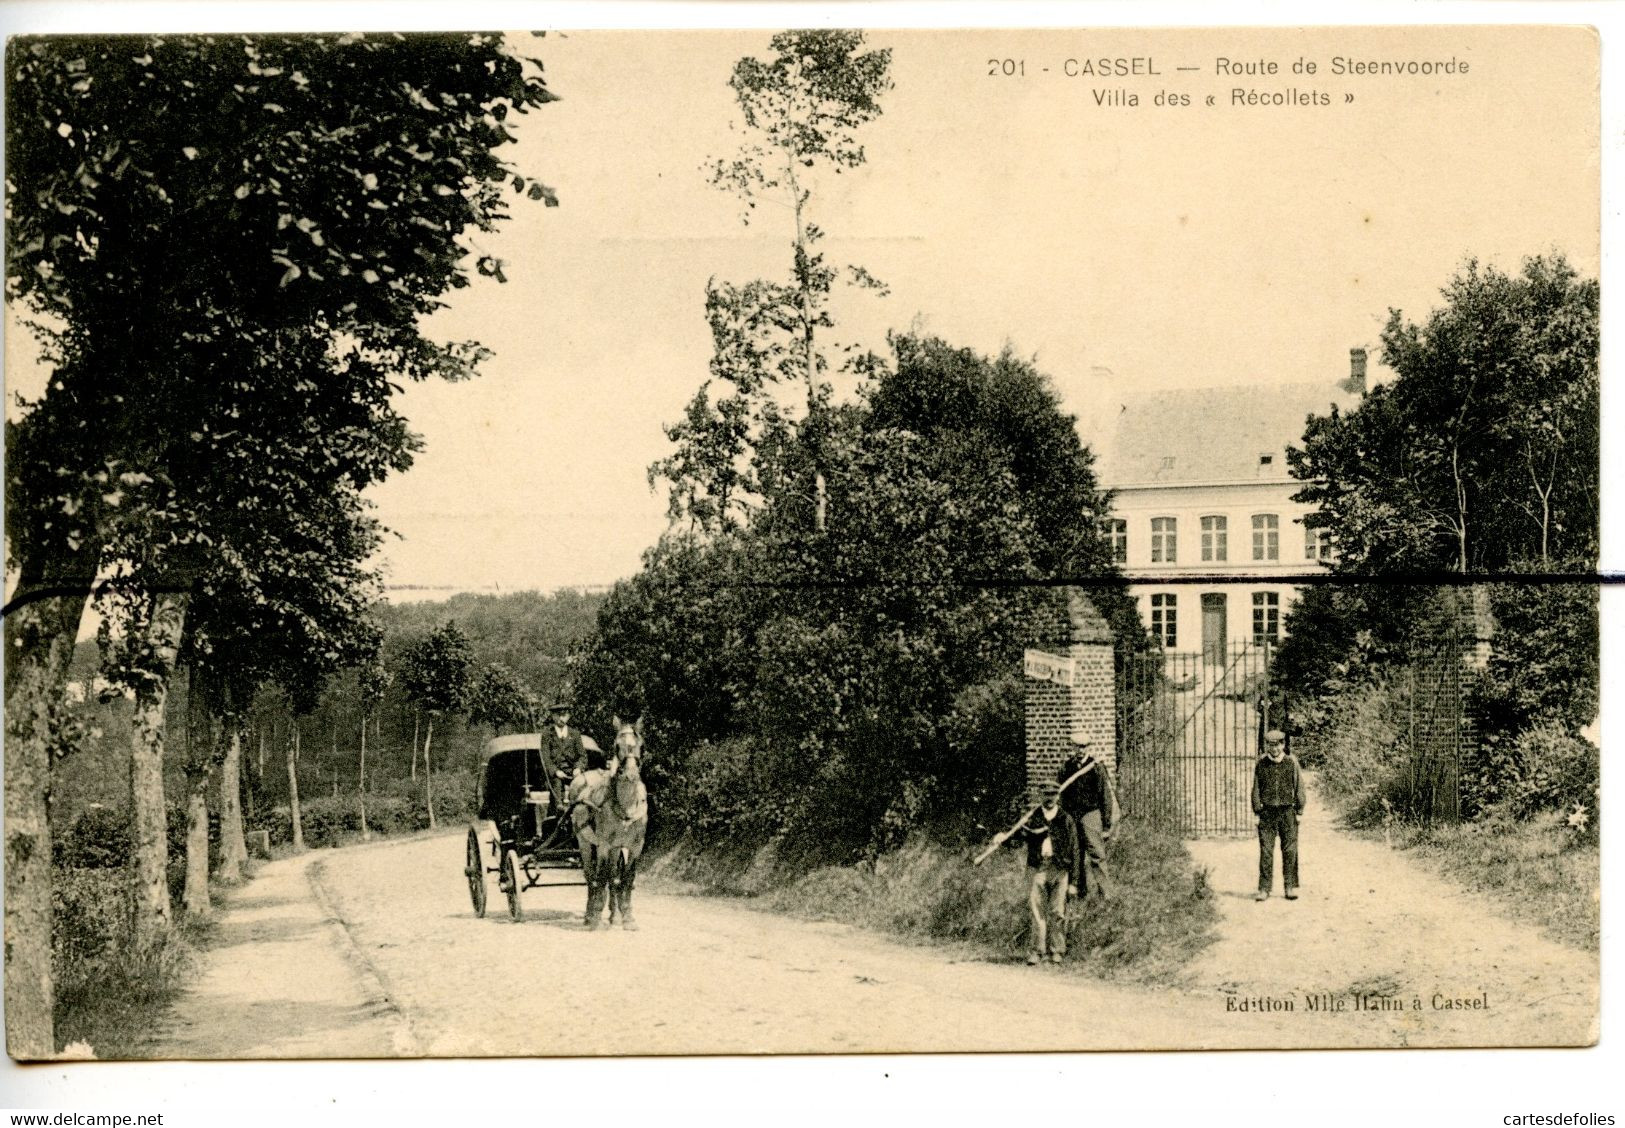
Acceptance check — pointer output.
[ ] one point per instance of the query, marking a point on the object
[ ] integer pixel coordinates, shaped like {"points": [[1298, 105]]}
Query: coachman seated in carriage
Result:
{"points": [[564, 747]]}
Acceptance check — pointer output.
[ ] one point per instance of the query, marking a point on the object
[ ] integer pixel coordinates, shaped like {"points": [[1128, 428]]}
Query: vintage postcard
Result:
{"points": [[802, 542]]}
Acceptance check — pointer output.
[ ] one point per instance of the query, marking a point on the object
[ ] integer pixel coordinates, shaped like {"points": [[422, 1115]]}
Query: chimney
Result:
{"points": [[1356, 381]]}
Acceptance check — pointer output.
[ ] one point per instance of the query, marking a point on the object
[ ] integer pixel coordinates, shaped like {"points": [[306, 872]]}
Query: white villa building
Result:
{"points": [[1203, 495]]}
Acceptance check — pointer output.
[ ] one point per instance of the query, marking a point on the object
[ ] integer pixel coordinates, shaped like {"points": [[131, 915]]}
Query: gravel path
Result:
{"points": [[282, 979], [1370, 923]]}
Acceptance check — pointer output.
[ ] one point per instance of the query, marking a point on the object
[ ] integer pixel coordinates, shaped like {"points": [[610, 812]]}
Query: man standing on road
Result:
{"points": [[562, 750], [1278, 799], [1092, 803]]}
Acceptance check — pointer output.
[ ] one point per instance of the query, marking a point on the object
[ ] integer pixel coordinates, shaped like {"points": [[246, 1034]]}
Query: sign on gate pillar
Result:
{"points": [[1070, 685]]}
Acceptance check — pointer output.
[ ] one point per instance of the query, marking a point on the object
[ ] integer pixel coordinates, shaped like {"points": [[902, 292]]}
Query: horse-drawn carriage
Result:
{"points": [[522, 830], [530, 825]]}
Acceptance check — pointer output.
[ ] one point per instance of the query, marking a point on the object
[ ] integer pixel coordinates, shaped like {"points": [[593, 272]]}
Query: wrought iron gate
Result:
{"points": [[1189, 730]]}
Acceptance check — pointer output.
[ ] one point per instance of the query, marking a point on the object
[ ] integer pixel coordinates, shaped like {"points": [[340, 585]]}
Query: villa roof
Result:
{"points": [[1190, 436]]}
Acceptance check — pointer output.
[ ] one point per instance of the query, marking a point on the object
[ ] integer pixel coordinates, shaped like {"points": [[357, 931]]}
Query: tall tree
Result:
{"points": [[372, 683], [319, 185], [229, 788], [436, 679], [1482, 453], [1005, 407], [801, 112], [496, 697], [1480, 456], [141, 660]]}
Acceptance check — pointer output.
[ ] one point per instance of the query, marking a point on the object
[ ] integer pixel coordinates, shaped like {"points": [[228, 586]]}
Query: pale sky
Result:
{"points": [[1123, 248], [1170, 246]]}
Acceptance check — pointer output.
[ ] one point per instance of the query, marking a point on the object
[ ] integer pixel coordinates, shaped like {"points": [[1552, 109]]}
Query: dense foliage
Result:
{"points": [[1479, 457], [835, 688], [1482, 454]]}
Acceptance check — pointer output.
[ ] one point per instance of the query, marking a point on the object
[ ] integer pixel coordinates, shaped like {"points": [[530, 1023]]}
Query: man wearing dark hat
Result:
{"points": [[562, 750], [1092, 802], [1278, 799]]}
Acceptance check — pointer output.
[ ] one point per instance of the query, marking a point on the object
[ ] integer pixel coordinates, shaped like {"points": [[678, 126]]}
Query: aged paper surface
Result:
{"points": [[1148, 215]]}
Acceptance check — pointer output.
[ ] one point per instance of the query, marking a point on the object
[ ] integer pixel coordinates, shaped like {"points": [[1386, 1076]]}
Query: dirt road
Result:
{"points": [[1376, 953], [1370, 924]]}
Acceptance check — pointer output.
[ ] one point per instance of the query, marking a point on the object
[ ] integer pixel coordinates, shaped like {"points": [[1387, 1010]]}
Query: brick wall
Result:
{"points": [[1067, 625]]}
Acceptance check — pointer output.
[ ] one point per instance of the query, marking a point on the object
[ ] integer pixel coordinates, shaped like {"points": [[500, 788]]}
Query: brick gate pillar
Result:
{"points": [[1070, 685]]}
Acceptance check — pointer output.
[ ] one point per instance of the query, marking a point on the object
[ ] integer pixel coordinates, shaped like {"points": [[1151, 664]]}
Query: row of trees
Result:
{"points": [[227, 244], [384, 732]]}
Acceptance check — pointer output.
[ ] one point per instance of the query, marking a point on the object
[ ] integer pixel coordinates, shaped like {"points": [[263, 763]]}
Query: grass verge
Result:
{"points": [[109, 992], [1160, 916], [1537, 870]]}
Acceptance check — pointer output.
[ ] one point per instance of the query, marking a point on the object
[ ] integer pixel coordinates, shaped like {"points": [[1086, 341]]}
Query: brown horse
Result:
{"points": [[610, 817]]}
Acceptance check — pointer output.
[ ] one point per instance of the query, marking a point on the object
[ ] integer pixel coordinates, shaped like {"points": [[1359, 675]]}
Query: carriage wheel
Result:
{"points": [[475, 869], [510, 881]]}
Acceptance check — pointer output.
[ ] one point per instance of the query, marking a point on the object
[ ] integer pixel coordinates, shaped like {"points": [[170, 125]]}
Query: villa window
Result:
{"points": [[1215, 539], [1266, 536], [1164, 540], [1165, 620], [1266, 617], [1117, 533], [1317, 544]]}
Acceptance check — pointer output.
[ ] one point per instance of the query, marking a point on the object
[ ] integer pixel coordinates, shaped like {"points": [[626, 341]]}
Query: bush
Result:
{"points": [[388, 816], [984, 770], [1159, 917], [453, 796], [1546, 768], [722, 795], [398, 808], [89, 916], [98, 839], [107, 990], [1544, 665], [1363, 752]]}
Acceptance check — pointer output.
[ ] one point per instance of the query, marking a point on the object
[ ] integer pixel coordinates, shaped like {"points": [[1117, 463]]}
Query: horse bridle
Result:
{"points": [[625, 750]]}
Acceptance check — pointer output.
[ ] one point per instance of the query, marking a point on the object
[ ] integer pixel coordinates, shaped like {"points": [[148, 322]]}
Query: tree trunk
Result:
{"points": [[428, 775], [361, 782], [195, 896], [809, 353], [149, 832], [1461, 512], [39, 638], [415, 749], [298, 829], [200, 753], [233, 848]]}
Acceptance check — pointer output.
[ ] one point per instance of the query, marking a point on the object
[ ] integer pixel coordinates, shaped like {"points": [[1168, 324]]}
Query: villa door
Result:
{"points": [[1213, 640]]}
